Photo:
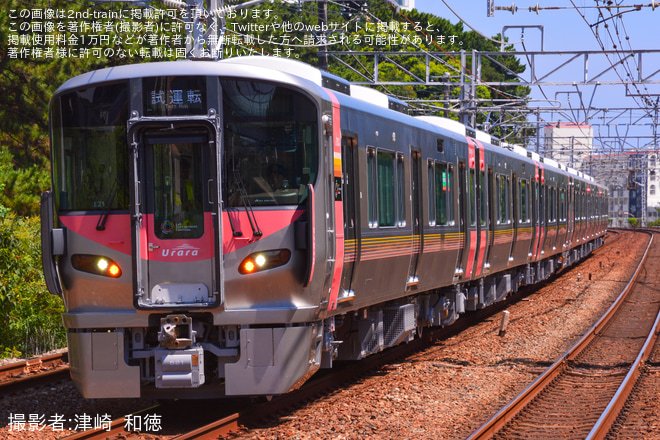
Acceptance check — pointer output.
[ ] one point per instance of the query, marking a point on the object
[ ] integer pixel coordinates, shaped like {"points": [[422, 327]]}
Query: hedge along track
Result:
{"points": [[579, 396]]}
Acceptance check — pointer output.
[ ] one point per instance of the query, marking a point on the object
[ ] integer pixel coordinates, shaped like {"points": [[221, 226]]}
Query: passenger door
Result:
{"points": [[463, 206], [418, 236], [349, 194]]}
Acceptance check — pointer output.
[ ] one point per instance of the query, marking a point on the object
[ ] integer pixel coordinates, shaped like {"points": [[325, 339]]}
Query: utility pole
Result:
{"points": [[323, 25], [445, 76]]}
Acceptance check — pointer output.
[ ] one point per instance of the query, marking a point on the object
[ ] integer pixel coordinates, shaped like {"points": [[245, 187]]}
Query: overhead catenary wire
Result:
{"points": [[623, 61], [475, 29]]}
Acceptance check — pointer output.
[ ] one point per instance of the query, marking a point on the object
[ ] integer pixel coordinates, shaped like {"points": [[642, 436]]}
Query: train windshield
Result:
{"points": [[178, 186], [90, 155], [270, 144]]}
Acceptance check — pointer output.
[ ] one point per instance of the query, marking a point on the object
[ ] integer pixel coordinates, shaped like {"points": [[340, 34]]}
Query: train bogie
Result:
{"points": [[228, 228]]}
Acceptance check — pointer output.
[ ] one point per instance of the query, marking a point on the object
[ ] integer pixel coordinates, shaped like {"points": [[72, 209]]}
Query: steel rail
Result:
{"points": [[19, 375], [618, 401], [510, 410]]}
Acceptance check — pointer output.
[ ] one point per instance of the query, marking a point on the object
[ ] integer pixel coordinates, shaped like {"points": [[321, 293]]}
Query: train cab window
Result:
{"points": [[178, 187], [90, 153], [270, 144]]}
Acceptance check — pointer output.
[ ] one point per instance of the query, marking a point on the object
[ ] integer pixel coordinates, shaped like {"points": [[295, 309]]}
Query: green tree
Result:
{"points": [[29, 76], [379, 29], [31, 317]]}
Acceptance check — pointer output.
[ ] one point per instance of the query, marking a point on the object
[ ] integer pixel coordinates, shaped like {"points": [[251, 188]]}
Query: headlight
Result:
{"points": [[96, 264], [264, 260]]}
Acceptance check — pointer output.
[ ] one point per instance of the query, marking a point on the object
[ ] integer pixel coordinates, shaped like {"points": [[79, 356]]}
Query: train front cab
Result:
{"points": [[184, 271]]}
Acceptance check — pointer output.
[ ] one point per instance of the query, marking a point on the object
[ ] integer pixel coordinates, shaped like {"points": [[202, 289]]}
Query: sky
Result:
{"points": [[565, 30]]}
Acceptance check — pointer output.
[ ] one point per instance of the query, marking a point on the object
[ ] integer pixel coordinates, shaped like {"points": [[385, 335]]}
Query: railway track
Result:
{"points": [[582, 393], [638, 416], [17, 376], [228, 422]]}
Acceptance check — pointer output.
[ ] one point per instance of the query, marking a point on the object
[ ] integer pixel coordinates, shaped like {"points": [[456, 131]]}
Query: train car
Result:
{"points": [[228, 228]]}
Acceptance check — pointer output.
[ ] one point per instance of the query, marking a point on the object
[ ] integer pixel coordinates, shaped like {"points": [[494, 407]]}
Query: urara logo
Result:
{"points": [[185, 250]]}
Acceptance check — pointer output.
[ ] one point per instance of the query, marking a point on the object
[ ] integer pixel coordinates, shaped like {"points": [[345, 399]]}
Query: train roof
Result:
{"points": [[305, 77], [290, 71], [457, 127]]}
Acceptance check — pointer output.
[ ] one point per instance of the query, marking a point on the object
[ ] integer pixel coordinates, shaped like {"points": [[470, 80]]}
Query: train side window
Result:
{"points": [[401, 191], [431, 191], [371, 182], [551, 211], [385, 187], [450, 195], [441, 193], [524, 200], [500, 183], [562, 205], [557, 206], [441, 202], [472, 201], [483, 198], [509, 199], [548, 201]]}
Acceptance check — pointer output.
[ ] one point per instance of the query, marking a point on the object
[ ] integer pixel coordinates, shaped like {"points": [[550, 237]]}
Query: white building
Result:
{"points": [[653, 186], [633, 181], [568, 143]]}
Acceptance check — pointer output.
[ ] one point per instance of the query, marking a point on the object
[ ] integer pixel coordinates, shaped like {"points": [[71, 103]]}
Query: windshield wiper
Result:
{"points": [[107, 206], [256, 231]]}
